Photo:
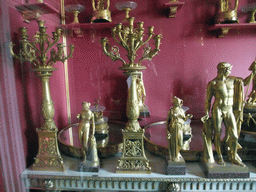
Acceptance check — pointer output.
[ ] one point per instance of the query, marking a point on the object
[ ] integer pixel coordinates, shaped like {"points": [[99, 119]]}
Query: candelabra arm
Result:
{"points": [[25, 55], [148, 52], [50, 45], [122, 41], [236, 5], [12, 53], [139, 41], [108, 4], [59, 56], [114, 54], [143, 42], [33, 46], [93, 5], [71, 48]]}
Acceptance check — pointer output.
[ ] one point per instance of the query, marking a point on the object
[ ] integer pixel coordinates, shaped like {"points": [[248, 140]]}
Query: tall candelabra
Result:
{"points": [[36, 52], [133, 159]]}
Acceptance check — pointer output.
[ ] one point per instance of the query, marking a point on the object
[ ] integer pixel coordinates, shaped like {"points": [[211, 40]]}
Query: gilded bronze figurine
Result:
{"points": [[176, 127], [86, 130], [141, 96], [227, 107]]}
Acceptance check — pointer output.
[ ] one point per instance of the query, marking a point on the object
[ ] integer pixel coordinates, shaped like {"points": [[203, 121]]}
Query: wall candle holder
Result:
{"points": [[35, 52], [133, 159]]}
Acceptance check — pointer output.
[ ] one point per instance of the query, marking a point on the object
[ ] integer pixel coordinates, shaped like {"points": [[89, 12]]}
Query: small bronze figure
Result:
{"points": [[86, 129], [175, 128]]}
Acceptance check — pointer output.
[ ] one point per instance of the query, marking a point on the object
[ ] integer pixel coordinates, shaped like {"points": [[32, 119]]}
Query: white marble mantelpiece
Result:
{"points": [[107, 179]]}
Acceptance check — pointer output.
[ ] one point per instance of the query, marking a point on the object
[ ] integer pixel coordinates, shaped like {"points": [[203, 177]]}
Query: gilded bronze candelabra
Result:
{"points": [[35, 52], [133, 159]]}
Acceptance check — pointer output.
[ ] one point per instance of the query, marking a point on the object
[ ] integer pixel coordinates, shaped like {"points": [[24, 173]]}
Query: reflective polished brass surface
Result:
{"points": [[101, 12], [176, 127], [133, 159], [226, 14], [227, 107], [86, 130], [35, 52]]}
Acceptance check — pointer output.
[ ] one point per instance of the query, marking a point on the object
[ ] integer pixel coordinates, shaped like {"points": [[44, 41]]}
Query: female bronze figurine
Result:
{"points": [[175, 128], [86, 129]]}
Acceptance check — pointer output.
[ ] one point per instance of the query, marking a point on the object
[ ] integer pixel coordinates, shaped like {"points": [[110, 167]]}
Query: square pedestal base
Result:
{"points": [[176, 168], [86, 167], [214, 170]]}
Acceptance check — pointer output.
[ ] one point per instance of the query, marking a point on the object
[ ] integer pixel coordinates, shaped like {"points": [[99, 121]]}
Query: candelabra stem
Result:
{"points": [[133, 159], [76, 16], [48, 157], [127, 10]]}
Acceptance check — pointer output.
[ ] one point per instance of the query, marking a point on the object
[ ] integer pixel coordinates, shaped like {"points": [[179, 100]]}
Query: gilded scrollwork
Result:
{"points": [[138, 165], [133, 148], [48, 147]]}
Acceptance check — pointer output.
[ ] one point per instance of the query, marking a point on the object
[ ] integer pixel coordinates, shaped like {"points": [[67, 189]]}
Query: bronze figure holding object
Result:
{"points": [[175, 128], [177, 125]]}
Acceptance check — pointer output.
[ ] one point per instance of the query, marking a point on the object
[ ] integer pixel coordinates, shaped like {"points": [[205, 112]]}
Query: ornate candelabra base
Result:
{"points": [[133, 159], [48, 157]]}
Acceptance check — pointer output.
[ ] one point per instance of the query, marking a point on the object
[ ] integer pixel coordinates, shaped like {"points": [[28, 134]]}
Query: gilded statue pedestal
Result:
{"points": [[133, 159], [176, 167], [214, 170]]}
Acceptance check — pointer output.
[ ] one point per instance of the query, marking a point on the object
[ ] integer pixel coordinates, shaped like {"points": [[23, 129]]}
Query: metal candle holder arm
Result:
{"points": [[131, 40], [29, 49]]}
